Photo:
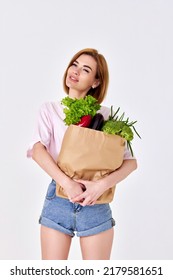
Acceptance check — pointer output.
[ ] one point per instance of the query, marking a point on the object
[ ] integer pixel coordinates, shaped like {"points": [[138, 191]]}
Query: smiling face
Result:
{"points": [[81, 76]]}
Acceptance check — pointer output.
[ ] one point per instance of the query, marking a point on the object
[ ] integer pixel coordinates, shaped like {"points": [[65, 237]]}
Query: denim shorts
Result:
{"points": [[62, 215]]}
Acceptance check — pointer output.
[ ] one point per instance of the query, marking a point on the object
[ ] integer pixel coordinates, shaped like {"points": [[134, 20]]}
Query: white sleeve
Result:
{"points": [[43, 129], [127, 153]]}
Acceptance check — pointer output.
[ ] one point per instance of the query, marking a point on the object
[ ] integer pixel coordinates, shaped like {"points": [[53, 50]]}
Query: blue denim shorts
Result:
{"points": [[62, 215]]}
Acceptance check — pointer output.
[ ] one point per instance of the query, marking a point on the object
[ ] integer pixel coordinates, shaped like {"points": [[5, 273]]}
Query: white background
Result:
{"points": [[38, 38]]}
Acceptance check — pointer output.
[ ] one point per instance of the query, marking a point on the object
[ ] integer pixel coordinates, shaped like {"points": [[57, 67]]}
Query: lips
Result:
{"points": [[72, 78]]}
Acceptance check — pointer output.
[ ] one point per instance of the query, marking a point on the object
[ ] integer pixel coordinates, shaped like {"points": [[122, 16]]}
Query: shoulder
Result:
{"points": [[52, 110], [51, 107], [105, 111]]}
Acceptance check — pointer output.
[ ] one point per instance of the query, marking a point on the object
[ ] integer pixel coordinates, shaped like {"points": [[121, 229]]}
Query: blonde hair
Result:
{"points": [[102, 74]]}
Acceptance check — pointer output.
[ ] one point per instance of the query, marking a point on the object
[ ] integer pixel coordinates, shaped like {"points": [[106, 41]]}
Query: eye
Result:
{"points": [[86, 70], [74, 64]]}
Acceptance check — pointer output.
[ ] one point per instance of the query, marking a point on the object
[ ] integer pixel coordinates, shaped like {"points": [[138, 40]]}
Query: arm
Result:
{"points": [[95, 189], [47, 163], [128, 166]]}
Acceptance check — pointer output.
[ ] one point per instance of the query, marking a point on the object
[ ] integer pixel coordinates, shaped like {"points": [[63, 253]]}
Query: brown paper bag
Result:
{"points": [[90, 154]]}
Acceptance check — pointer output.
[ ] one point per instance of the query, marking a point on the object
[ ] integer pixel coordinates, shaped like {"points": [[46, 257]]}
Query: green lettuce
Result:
{"points": [[77, 108]]}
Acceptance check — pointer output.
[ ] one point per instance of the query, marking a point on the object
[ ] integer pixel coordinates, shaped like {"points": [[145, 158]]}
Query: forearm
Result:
{"points": [[47, 163], [120, 174]]}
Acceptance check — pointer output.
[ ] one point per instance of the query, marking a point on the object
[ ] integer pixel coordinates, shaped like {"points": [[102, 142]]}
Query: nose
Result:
{"points": [[76, 71]]}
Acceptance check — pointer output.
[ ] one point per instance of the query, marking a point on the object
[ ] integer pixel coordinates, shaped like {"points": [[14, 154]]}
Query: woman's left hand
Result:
{"points": [[93, 190]]}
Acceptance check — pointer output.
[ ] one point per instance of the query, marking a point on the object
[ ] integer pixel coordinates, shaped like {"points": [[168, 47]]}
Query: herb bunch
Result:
{"points": [[120, 126]]}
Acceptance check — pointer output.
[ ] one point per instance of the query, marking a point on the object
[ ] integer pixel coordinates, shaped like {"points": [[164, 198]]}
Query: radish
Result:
{"points": [[85, 121]]}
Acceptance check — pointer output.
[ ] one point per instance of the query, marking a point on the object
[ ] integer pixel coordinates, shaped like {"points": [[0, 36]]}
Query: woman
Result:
{"points": [[87, 73]]}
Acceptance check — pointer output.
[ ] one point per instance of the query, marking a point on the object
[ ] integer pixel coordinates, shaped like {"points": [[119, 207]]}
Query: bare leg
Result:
{"points": [[97, 247], [55, 245]]}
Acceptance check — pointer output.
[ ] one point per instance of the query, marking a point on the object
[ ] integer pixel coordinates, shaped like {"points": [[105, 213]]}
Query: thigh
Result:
{"points": [[55, 245], [98, 246]]}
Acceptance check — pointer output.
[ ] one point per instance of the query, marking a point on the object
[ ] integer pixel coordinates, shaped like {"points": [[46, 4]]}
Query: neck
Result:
{"points": [[76, 94]]}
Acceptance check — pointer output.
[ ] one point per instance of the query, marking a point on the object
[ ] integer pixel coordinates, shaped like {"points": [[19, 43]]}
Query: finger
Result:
{"points": [[87, 201], [77, 198], [78, 180], [71, 198], [83, 182], [93, 203]]}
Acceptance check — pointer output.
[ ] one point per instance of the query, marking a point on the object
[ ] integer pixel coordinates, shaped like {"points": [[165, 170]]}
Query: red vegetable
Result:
{"points": [[85, 121]]}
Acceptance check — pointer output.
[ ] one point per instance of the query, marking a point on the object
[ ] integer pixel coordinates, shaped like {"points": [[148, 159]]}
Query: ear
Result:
{"points": [[96, 83]]}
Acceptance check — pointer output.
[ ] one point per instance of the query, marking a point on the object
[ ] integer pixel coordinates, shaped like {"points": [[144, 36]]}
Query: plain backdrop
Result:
{"points": [[38, 38]]}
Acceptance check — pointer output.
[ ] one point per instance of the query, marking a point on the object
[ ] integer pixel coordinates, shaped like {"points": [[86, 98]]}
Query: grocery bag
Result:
{"points": [[90, 155]]}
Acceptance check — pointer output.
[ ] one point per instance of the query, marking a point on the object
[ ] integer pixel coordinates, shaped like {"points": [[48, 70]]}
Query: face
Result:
{"points": [[81, 76]]}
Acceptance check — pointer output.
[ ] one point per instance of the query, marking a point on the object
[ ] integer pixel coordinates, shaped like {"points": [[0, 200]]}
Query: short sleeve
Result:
{"points": [[43, 130], [127, 153]]}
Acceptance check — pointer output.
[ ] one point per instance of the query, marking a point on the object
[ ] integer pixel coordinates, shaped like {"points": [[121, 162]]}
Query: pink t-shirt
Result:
{"points": [[50, 128]]}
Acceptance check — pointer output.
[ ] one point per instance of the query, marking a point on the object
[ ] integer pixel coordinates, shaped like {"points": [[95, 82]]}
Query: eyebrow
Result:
{"points": [[84, 65]]}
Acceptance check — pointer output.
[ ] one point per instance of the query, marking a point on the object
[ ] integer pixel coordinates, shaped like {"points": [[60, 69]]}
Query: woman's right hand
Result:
{"points": [[72, 188], [47, 163]]}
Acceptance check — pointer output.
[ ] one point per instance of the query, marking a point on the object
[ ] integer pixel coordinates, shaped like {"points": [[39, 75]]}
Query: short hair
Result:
{"points": [[102, 74]]}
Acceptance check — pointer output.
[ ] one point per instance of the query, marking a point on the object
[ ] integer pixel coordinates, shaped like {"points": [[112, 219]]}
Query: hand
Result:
{"points": [[93, 190], [73, 189]]}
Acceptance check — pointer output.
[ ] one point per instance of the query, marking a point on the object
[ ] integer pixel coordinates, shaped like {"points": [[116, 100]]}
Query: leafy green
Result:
{"points": [[77, 108], [118, 126]]}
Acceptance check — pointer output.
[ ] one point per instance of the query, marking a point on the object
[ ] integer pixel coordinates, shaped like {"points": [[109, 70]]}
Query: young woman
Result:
{"points": [[87, 73]]}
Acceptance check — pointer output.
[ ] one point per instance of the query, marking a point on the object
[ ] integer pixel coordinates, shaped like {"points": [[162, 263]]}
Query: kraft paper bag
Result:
{"points": [[90, 155]]}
